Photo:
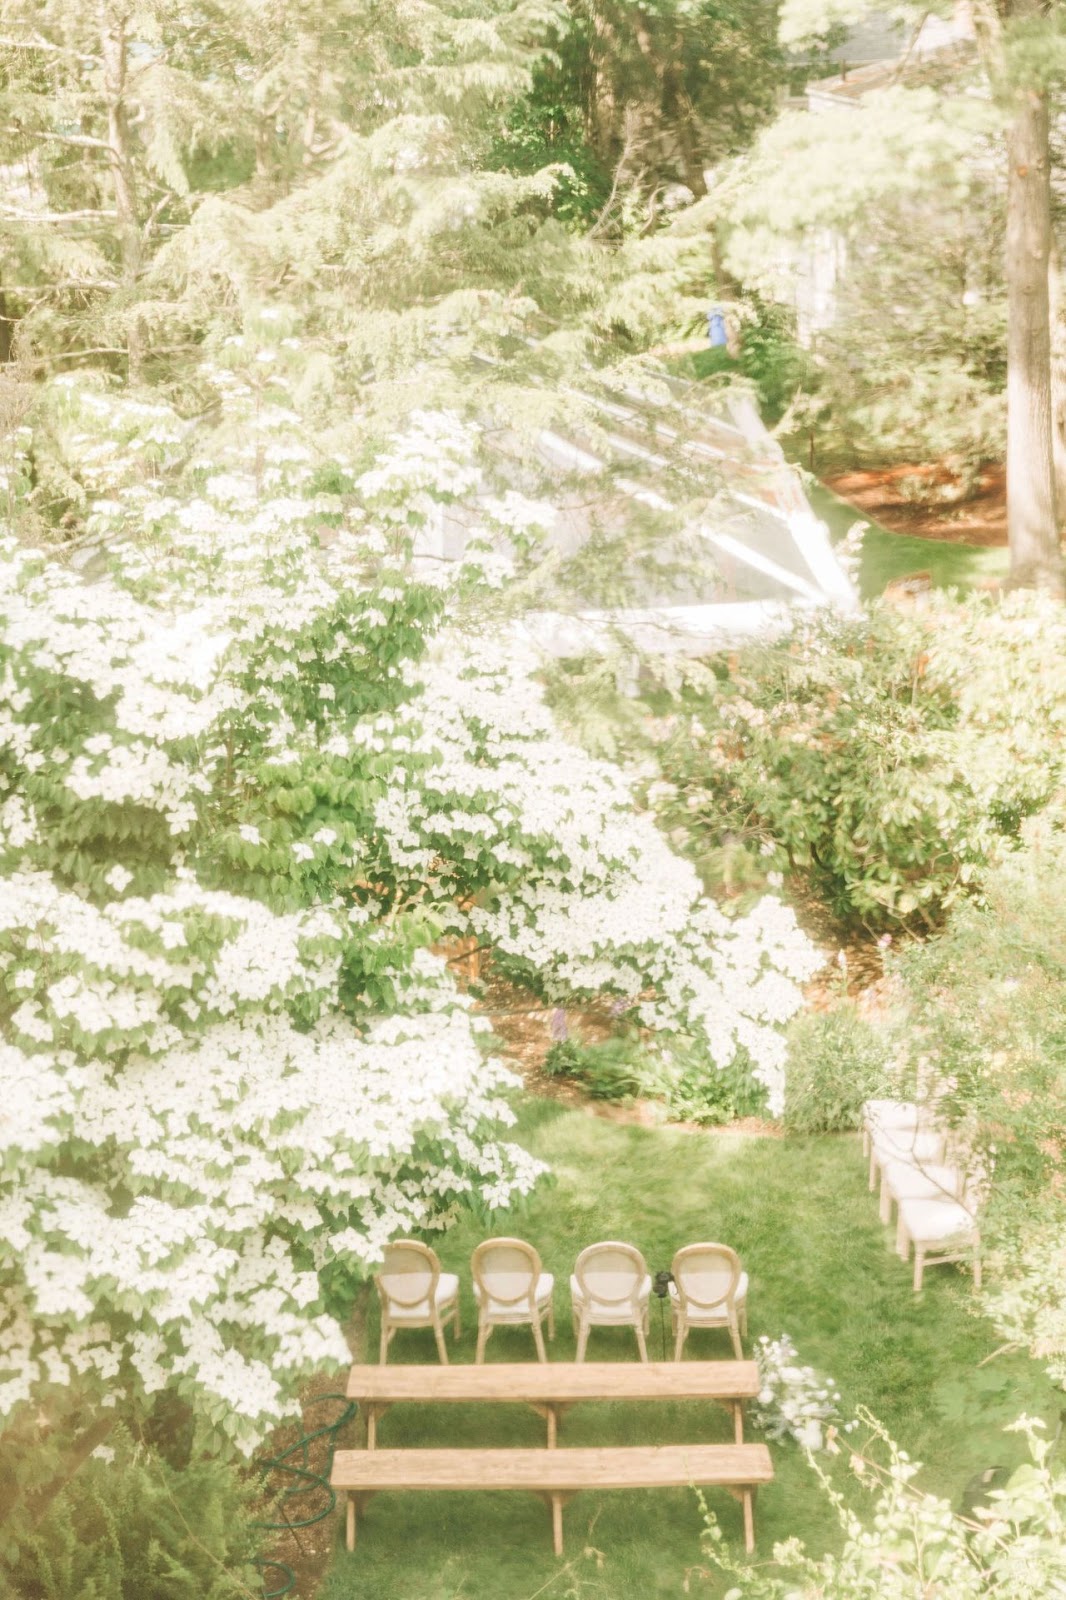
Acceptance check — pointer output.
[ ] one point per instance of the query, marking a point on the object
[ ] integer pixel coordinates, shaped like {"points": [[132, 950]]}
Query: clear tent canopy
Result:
{"points": [[679, 525]]}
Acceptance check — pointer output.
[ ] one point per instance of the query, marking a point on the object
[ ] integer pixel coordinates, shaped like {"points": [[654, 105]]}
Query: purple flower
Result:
{"points": [[559, 1029]]}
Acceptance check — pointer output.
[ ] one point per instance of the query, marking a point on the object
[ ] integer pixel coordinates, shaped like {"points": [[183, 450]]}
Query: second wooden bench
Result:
{"points": [[556, 1475]]}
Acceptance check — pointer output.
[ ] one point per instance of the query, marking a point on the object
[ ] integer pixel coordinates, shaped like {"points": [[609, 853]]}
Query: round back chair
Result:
{"points": [[506, 1271], [409, 1274], [611, 1274], [706, 1275]]}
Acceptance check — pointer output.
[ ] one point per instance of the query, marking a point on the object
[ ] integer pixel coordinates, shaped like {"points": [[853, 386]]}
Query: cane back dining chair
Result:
{"points": [[610, 1288], [511, 1289], [415, 1293], [709, 1290]]}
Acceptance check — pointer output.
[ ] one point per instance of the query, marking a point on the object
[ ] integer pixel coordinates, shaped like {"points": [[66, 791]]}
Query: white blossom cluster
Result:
{"points": [[579, 885], [238, 800]]}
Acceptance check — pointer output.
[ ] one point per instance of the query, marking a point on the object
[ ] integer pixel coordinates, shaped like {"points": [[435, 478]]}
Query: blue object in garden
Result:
{"points": [[716, 333]]}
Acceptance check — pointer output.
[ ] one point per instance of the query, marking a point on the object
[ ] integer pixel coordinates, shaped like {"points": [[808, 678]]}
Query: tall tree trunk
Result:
{"points": [[679, 118], [1057, 306], [7, 330], [602, 112], [1035, 557], [113, 52]]}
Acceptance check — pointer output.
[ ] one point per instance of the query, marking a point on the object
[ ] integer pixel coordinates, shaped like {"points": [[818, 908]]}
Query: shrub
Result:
{"points": [[689, 1085], [984, 1006], [126, 1526], [835, 1062], [889, 758], [611, 1069]]}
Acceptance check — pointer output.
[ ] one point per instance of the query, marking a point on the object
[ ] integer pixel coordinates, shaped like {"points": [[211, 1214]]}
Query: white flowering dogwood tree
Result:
{"points": [[251, 769]]}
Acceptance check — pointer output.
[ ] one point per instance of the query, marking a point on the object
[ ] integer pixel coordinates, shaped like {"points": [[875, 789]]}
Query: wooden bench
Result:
{"points": [[552, 1387], [556, 1475]]}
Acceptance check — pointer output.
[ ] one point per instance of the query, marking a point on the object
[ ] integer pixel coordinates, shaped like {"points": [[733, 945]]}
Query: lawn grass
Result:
{"points": [[887, 555], [821, 1269]]}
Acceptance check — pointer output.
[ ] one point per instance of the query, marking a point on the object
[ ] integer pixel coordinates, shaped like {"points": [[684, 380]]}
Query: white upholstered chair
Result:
{"points": [[415, 1293], [920, 1146], [940, 1230], [511, 1289], [709, 1291], [917, 1180], [610, 1288], [887, 1115]]}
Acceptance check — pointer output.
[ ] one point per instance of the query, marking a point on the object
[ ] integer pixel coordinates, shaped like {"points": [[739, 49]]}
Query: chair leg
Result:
{"points": [[642, 1345], [483, 1331], [582, 1340], [383, 1353], [734, 1334], [442, 1348], [551, 1319], [886, 1201], [903, 1244], [919, 1264], [538, 1340], [679, 1340]]}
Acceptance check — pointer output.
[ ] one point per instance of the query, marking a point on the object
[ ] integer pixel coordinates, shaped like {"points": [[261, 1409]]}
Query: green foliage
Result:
{"points": [[126, 1526], [1011, 1545], [890, 758], [668, 87], [688, 1085], [769, 357], [985, 1008], [836, 1061], [609, 1069]]}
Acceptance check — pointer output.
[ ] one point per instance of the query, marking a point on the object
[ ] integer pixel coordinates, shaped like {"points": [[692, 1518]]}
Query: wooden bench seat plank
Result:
{"points": [[563, 1382], [661, 1466], [556, 1474], [553, 1386]]}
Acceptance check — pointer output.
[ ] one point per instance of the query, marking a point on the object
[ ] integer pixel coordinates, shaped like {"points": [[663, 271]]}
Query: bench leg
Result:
{"points": [[557, 1524], [738, 1421], [749, 1521], [371, 1427], [553, 1427], [350, 1529]]}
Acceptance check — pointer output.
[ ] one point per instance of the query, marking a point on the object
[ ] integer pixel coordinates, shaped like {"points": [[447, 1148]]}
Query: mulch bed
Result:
{"points": [[920, 501]]}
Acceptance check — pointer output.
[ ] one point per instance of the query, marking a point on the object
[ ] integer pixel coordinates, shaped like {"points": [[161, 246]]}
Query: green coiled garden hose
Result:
{"points": [[307, 1482]]}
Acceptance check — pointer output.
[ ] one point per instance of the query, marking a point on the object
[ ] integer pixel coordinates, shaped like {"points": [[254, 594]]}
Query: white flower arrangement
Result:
{"points": [[795, 1402]]}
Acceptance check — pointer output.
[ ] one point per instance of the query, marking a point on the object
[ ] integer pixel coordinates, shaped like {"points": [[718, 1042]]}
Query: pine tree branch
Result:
{"points": [[82, 140], [43, 290], [10, 214], [46, 45]]}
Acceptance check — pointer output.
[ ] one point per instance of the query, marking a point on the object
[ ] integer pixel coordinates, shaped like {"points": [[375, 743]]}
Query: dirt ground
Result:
{"points": [[926, 502]]}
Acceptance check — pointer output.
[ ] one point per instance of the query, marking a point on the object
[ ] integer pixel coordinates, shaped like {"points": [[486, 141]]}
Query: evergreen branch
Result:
{"points": [[37, 43], [43, 290], [10, 214], [83, 140]]}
